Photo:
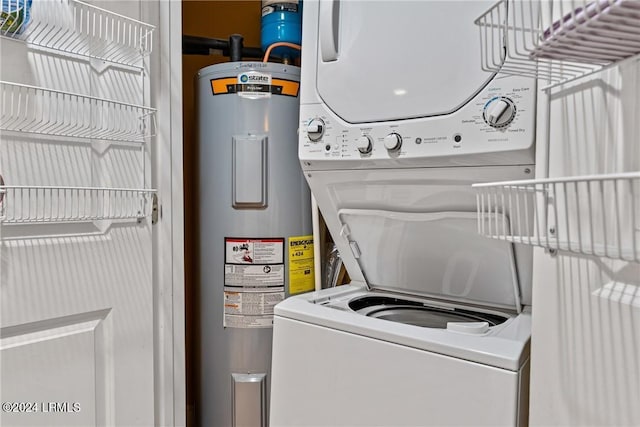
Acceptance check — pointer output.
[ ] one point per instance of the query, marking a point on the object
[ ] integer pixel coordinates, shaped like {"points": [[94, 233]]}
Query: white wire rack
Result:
{"points": [[558, 40], [46, 204], [77, 28], [43, 111], [590, 215]]}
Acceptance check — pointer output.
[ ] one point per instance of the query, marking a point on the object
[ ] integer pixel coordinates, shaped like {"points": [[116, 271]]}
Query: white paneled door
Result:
{"points": [[77, 329], [90, 332]]}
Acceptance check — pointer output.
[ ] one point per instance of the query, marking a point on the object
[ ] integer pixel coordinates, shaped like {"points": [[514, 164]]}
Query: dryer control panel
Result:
{"points": [[495, 127]]}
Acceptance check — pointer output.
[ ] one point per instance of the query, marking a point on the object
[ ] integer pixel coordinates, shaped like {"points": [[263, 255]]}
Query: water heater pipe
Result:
{"points": [[194, 45], [267, 53], [317, 249], [236, 43]]}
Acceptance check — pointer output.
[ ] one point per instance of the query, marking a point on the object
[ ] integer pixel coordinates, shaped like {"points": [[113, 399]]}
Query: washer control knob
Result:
{"points": [[499, 112], [315, 129], [364, 144], [393, 142]]}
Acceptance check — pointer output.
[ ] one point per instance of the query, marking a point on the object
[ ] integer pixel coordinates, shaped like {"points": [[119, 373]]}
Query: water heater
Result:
{"points": [[256, 246]]}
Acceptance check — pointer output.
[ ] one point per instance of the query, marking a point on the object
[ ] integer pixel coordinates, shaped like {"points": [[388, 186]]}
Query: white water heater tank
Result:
{"points": [[255, 237]]}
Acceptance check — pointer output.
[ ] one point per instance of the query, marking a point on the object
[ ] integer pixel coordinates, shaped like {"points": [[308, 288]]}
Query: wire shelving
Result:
{"points": [[77, 28], [591, 215]]}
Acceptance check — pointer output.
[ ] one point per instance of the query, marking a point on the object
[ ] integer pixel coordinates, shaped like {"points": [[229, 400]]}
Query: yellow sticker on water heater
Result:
{"points": [[301, 272]]}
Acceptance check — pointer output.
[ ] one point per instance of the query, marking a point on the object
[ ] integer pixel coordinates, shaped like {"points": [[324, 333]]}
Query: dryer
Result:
{"points": [[397, 120]]}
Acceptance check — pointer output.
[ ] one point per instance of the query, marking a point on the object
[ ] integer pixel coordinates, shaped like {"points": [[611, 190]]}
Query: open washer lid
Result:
{"points": [[432, 254]]}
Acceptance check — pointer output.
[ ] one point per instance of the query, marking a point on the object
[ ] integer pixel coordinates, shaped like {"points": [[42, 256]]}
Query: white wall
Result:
{"points": [[585, 346]]}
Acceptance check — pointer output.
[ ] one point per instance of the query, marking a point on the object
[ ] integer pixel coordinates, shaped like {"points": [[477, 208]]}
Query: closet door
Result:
{"points": [[77, 232]]}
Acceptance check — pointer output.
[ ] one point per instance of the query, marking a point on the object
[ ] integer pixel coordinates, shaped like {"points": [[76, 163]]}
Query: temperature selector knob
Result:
{"points": [[315, 129], [364, 144], [499, 112], [393, 142]]}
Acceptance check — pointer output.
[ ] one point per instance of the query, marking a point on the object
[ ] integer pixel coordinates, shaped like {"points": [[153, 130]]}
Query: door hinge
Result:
{"points": [[154, 209]]}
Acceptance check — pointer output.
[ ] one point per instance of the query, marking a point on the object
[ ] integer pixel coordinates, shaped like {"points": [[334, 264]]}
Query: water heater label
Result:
{"points": [[254, 251], [253, 281], [230, 85], [254, 84], [250, 309], [271, 6], [301, 272], [231, 321], [253, 276]]}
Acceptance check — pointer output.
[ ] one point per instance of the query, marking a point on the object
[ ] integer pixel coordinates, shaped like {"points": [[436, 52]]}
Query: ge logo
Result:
{"points": [[266, 269], [244, 78]]}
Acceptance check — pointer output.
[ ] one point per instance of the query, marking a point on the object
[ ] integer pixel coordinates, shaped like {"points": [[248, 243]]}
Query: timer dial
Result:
{"points": [[315, 129], [499, 112]]}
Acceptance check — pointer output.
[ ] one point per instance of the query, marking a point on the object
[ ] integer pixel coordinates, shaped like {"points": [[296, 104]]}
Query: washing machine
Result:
{"points": [[397, 120]]}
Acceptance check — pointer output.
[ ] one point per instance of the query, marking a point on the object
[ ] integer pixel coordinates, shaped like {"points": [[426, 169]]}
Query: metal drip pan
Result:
{"points": [[419, 313]]}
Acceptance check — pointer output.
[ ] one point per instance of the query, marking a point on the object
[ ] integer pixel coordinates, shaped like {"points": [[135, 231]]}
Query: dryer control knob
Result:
{"points": [[364, 144], [393, 142], [315, 129], [499, 112]]}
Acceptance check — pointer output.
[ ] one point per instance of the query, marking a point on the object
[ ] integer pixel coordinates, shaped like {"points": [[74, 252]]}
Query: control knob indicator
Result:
{"points": [[364, 144], [393, 142], [315, 129], [499, 112]]}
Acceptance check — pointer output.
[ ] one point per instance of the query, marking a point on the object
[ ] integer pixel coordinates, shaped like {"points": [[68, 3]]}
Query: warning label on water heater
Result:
{"points": [[251, 302], [253, 275], [254, 251], [253, 281]]}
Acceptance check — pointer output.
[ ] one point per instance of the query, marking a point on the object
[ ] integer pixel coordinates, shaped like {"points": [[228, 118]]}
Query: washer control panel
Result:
{"points": [[500, 119]]}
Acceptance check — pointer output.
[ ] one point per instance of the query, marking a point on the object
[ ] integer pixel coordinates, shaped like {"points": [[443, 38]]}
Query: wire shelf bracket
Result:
{"points": [[48, 204], [78, 28], [595, 215]]}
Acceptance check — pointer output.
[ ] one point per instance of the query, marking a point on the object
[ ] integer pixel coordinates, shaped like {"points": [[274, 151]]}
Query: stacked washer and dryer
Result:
{"points": [[434, 328]]}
